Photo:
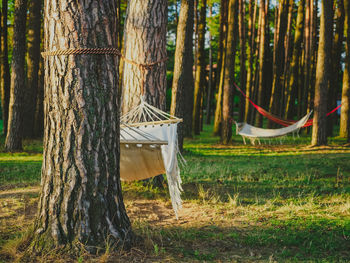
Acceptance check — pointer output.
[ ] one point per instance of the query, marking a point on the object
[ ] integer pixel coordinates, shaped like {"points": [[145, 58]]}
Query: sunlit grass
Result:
{"points": [[271, 202]]}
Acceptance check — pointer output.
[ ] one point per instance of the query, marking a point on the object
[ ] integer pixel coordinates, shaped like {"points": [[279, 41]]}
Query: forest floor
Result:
{"points": [[242, 203]]}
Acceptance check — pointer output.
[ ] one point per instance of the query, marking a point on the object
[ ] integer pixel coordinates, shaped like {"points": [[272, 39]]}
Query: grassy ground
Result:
{"points": [[242, 203]]}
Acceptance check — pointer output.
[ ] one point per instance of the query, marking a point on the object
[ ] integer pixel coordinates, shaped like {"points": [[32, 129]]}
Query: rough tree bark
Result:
{"points": [[14, 130], [5, 68], [33, 59], [294, 78], [345, 109], [145, 43], [210, 77], [319, 129], [81, 201], [200, 70], [276, 95], [182, 87], [227, 99]]}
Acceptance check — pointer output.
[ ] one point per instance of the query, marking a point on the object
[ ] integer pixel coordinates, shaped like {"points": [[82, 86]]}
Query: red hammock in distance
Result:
{"points": [[275, 118]]}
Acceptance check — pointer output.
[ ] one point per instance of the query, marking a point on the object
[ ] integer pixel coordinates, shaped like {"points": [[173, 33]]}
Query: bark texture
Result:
{"points": [[200, 70], [5, 68], [145, 43], [14, 130], [319, 129], [345, 109], [182, 88], [227, 99], [33, 59], [81, 200]]}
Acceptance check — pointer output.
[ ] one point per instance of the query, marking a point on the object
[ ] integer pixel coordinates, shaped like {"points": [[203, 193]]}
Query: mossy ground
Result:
{"points": [[242, 203]]}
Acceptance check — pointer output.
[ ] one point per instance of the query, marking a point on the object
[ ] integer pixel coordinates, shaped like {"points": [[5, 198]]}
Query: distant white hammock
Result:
{"points": [[254, 133], [149, 147]]}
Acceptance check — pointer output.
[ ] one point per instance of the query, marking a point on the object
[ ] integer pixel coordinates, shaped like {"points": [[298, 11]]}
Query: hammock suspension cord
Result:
{"points": [[276, 119]]}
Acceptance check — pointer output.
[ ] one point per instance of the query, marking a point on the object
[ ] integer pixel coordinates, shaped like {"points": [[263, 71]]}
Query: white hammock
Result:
{"points": [[255, 133], [143, 158]]}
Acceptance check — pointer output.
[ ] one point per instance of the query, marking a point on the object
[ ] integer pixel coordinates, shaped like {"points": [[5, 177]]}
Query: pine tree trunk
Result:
{"points": [[276, 95], [294, 78], [262, 62], [33, 59], [220, 68], [81, 201], [14, 130], [319, 131], [242, 43], [145, 43], [307, 58], [210, 78], [200, 70], [345, 109], [334, 84], [227, 99], [182, 87], [5, 68]]}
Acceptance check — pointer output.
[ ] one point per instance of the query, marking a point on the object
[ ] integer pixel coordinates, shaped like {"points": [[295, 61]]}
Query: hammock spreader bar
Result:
{"points": [[275, 118]]}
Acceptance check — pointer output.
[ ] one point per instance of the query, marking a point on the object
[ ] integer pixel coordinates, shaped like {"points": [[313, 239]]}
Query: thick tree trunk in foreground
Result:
{"points": [[200, 70], [81, 201], [145, 43], [182, 90], [14, 130], [33, 59], [227, 99], [319, 129], [5, 68], [345, 109]]}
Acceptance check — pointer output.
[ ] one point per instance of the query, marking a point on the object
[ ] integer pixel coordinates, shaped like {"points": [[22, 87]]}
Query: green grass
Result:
{"points": [[260, 203]]}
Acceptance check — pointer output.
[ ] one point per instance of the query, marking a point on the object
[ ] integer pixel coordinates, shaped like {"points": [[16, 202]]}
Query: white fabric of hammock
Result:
{"points": [[251, 132], [140, 161]]}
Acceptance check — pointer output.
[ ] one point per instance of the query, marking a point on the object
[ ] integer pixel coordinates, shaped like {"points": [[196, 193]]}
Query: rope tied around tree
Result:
{"points": [[106, 51]]}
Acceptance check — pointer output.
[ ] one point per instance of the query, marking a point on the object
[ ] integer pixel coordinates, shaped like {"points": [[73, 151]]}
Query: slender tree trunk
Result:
{"points": [[145, 43], [33, 46], [294, 78], [5, 68], [334, 84], [81, 201], [262, 59], [288, 38], [276, 95], [242, 43], [345, 109], [250, 58], [220, 69], [307, 58], [319, 131], [227, 100], [210, 79], [14, 130], [182, 88], [200, 70]]}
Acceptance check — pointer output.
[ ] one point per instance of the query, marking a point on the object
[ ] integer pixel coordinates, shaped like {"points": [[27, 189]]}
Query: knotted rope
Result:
{"points": [[109, 51]]}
